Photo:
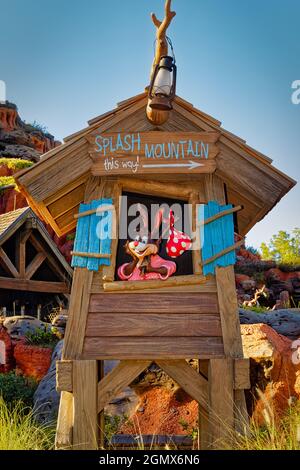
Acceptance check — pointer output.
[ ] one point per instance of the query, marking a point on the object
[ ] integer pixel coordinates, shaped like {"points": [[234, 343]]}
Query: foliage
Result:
{"points": [[16, 388], [15, 163], [41, 337], [112, 425], [19, 431], [283, 247], [257, 309], [6, 181], [71, 236], [275, 434], [38, 127], [192, 431]]}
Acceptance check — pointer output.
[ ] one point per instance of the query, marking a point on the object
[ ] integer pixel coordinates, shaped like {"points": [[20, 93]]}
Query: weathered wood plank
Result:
{"points": [[154, 302], [229, 311], [85, 384], [125, 286], [220, 379], [152, 348], [34, 265], [242, 374], [64, 428], [155, 188], [78, 310], [34, 286], [188, 378], [209, 286], [67, 202], [119, 378], [150, 324], [64, 376], [7, 264]]}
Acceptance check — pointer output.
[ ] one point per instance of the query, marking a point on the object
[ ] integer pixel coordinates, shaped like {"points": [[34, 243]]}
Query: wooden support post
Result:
{"points": [[221, 416], [64, 429], [203, 425], [85, 427], [101, 415], [227, 298]]}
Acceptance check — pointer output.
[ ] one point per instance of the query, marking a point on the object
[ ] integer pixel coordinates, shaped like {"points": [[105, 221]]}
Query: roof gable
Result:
{"points": [[14, 220], [55, 185]]}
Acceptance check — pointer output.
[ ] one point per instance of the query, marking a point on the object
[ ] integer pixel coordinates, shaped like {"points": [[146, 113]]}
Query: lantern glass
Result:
{"points": [[163, 82]]}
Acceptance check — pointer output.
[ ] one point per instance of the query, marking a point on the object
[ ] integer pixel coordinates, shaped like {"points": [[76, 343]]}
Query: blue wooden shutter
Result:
{"points": [[217, 236], [93, 235]]}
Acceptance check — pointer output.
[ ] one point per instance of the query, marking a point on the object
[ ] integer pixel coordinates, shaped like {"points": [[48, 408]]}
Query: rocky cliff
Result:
{"points": [[21, 145]]}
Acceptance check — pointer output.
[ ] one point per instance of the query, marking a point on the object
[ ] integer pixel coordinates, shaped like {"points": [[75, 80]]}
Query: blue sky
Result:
{"points": [[66, 61]]}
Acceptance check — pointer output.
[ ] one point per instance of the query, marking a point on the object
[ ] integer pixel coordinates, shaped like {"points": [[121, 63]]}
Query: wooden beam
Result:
{"points": [[64, 376], [224, 252], [77, 316], [221, 214], [102, 348], [85, 427], [221, 404], [242, 374], [119, 378], [34, 265], [50, 258], [155, 188], [34, 286], [64, 428], [229, 312], [227, 296], [188, 379], [91, 255], [154, 284], [7, 264]]}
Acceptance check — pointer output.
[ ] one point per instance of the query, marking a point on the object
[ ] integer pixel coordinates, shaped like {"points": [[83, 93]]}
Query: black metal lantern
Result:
{"points": [[163, 84]]}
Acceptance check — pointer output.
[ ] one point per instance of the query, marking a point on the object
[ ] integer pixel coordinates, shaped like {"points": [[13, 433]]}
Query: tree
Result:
{"points": [[283, 247]]}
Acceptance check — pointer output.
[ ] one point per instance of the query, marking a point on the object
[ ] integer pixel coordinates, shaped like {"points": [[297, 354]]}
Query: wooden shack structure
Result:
{"points": [[33, 273], [183, 156]]}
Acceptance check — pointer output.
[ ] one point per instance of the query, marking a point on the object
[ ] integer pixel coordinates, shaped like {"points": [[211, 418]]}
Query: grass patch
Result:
{"points": [[19, 431], [275, 434]]}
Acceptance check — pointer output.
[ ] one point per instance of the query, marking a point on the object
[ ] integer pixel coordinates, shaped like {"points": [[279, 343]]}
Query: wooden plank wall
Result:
{"points": [[154, 325]]}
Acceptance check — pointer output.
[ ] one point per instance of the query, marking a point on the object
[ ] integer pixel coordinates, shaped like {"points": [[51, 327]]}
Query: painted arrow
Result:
{"points": [[191, 165]]}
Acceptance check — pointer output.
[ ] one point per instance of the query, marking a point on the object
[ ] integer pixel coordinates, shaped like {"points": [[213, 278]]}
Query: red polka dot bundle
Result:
{"points": [[178, 242]]}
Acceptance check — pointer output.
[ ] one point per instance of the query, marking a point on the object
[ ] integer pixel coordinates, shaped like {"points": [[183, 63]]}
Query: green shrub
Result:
{"points": [[41, 337], [15, 163], [17, 388], [19, 430], [36, 126], [6, 181]]}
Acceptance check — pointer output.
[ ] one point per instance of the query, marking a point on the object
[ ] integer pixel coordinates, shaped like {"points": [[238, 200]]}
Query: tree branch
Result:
{"points": [[162, 26]]}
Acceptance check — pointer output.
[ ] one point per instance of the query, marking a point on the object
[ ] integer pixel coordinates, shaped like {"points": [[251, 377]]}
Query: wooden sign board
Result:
{"points": [[122, 153]]}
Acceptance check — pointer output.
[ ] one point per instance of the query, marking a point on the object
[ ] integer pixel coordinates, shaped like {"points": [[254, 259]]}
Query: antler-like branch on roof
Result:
{"points": [[159, 117], [162, 26]]}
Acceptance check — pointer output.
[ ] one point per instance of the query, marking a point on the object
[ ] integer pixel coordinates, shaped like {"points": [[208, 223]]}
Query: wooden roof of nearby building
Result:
{"points": [[22, 226], [55, 186]]}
